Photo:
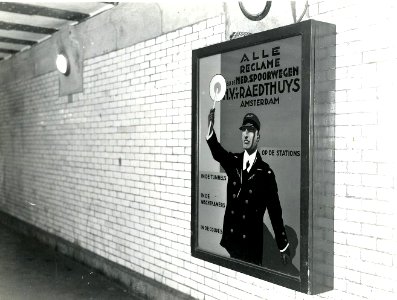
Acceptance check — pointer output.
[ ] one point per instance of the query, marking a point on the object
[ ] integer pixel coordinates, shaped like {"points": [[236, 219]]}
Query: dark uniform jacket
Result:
{"points": [[248, 197]]}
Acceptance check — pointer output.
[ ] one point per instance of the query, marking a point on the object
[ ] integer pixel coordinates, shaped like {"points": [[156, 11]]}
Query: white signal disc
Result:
{"points": [[217, 87]]}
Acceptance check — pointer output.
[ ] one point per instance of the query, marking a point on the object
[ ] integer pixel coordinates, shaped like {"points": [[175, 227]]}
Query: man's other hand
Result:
{"points": [[285, 256]]}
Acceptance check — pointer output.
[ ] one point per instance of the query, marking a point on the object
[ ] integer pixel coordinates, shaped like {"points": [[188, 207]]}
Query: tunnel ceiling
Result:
{"points": [[24, 24]]}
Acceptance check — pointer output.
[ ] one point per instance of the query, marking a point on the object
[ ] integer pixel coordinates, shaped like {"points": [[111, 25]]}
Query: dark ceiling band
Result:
{"points": [[16, 41], [10, 51], [28, 28], [27, 9]]}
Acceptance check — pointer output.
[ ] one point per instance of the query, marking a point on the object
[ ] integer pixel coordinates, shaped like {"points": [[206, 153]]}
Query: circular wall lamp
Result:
{"points": [[248, 11], [63, 64]]}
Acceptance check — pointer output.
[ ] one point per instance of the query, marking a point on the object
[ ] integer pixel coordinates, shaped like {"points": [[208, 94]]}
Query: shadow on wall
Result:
{"points": [[271, 254]]}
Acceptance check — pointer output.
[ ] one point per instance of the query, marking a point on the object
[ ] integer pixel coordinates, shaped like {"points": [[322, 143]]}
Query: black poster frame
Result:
{"points": [[311, 42]]}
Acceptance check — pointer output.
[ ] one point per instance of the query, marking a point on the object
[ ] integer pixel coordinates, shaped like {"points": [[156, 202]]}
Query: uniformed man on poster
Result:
{"points": [[251, 189]]}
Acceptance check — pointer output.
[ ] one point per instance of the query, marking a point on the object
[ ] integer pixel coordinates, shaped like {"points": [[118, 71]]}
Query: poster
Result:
{"points": [[264, 80], [263, 156]]}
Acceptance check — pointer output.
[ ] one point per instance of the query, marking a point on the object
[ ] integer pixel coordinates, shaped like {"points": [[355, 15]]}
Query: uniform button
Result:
{"points": [[283, 233], [270, 172], [232, 212], [234, 183], [243, 236], [250, 191], [231, 230], [243, 216], [234, 196], [246, 201]]}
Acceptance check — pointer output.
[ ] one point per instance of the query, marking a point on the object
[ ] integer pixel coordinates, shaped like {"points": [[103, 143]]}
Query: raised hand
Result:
{"points": [[211, 117]]}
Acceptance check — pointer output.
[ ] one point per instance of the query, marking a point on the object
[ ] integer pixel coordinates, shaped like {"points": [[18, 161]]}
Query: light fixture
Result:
{"points": [[63, 64], [254, 11]]}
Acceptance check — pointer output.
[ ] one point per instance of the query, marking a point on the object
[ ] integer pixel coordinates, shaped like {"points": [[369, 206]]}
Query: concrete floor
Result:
{"points": [[30, 270]]}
